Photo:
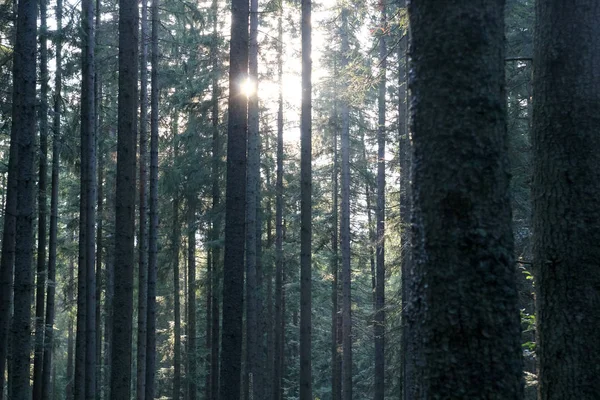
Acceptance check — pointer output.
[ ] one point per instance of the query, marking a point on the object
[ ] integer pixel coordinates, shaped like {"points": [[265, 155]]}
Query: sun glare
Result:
{"points": [[248, 87]]}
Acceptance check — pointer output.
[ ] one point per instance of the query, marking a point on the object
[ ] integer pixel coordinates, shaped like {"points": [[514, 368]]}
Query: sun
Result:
{"points": [[248, 87]]}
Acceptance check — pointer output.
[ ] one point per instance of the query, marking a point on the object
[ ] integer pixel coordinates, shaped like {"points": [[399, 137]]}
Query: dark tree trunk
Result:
{"points": [[99, 216], [23, 130], [70, 350], [306, 208], [345, 228], [235, 206], [216, 199], [175, 239], [566, 186], [379, 330], [42, 208], [253, 176], [153, 229], [191, 352], [125, 201], [52, 245], [464, 300], [142, 240]]}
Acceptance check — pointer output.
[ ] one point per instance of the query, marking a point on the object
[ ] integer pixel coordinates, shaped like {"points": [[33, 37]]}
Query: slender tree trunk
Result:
{"points": [[278, 330], [461, 206], [336, 359], [191, 301], [143, 211], [153, 229], [565, 197], [52, 246], [235, 206], [99, 201], [345, 228], [175, 239], [42, 208], [306, 208], [208, 331], [404, 157], [216, 199], [23, 122], [380, 215], [70, 350], [253, 176], [125, 201]]}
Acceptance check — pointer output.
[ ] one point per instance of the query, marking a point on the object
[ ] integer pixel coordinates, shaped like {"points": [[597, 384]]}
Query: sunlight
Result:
{"points": [[249, 87]]}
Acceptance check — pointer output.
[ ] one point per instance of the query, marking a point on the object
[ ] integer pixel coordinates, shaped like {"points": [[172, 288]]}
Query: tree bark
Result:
{"points": [[235, 206], [142, 241], [565, 192], [42, 208], [191, 301], [464, 300], [52, 245], [379, 330], [125, 201], [70, 350], [345, 226], [23, 129], [153, 229], [306, 208]]}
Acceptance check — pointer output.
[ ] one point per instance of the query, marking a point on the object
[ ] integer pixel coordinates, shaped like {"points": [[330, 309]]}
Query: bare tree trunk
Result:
{"points": [[461, 206], [235, 206], [38, 361], [380, 215], [306, 208], [565, 197], [175, 239], [70, 350], [191, 300], [153, 229], [52, 246], [125, 201], [143, 211], [23, 122], [345, 228]]}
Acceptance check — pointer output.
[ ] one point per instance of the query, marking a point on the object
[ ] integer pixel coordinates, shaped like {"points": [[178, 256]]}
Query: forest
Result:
{"points": [[298, 199]]}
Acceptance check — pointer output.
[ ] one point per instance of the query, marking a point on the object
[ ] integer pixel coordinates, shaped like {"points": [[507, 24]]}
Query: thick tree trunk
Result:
{"points": [[153, 228], [345, 228], [125, 201], [235, 206], [464, 299], [566, 187], [380, 215], [306, 208], [23, 122], [52, 245], [42, 209], [142, 240]]}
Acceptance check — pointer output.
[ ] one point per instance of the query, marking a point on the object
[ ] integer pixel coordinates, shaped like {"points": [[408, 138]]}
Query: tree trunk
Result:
{"points": [[464, 300], [70, 367], [42, 208], [279, 324], [125, 201], [253, 176], [565, 197], [345, 227], [216, 199], [191, 301], [175, 239], [306, 208], [380, 215], [142, 240], [153, 229], [52, 245], [23, 122], [235, 206]]}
